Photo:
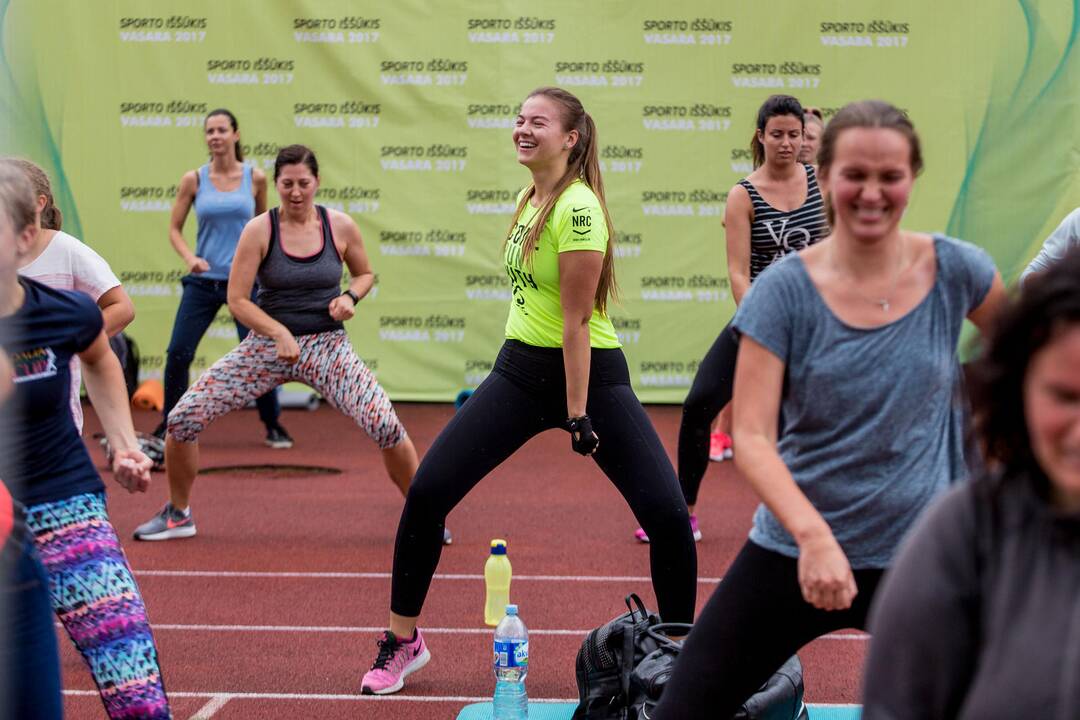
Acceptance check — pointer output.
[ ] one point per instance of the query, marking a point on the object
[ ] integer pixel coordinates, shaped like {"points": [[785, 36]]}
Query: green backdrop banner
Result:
{"points": [[409, 107]]}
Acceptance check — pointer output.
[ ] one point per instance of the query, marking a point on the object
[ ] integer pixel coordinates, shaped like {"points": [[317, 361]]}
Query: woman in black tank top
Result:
{"points": [[775, 210], [297, 252]]}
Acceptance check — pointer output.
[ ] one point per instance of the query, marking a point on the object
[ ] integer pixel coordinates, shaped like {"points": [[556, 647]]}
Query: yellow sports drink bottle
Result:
{"points": [[497, 582]]}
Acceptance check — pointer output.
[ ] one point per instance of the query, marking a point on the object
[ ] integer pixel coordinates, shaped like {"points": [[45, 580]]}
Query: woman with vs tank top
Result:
{"points": [[775, 210], [222, 215], [296, 252]]}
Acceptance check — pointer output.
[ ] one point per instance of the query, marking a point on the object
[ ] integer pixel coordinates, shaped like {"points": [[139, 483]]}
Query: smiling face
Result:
{"points": [[782, 138], [539, 136], [1052, 413], [221, 139], [869, 181], [297, 185]]}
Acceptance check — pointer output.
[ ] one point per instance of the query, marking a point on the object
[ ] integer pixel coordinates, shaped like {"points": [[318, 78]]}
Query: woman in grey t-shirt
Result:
{"points": [[849, 347]]}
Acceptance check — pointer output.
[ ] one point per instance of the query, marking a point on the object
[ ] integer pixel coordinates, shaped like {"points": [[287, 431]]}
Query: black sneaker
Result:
{"points": [[278, 438]]}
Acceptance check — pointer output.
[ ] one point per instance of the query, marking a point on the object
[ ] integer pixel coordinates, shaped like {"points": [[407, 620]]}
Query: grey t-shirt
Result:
{"points": [[870, 426]]}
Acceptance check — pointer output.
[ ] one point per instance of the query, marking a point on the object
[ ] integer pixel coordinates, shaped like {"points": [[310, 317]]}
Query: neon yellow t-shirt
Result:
{"points": [[575, 223]]}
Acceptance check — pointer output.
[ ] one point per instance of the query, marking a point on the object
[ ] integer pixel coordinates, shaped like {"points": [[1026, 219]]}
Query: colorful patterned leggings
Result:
{"points": [[327, 364], [96, 598]]}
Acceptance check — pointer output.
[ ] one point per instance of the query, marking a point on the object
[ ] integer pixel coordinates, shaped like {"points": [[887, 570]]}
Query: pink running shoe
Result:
{"points": [[720, 447], [396, 660], [642, 537]]}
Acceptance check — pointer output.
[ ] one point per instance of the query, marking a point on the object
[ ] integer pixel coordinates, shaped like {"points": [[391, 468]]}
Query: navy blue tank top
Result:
{"points": [[297, 291], [774, 233]]}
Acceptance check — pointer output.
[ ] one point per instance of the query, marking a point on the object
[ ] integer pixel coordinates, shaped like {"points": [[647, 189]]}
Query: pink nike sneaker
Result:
{"points": [[396, 660], [643, 537], [720, 447]]}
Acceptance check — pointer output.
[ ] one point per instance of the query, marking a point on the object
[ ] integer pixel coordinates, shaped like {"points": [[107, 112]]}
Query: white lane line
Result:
{"points": [[329, 697], [208, 710], [377, 698], [358, 629], [387, 576]]}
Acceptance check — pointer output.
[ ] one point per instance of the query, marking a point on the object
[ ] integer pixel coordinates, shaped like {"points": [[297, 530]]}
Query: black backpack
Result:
{"points": [[622, 667]]}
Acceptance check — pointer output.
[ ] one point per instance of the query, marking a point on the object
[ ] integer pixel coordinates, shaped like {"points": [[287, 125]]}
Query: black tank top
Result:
{"points": [[297, 291], [774, 234]]}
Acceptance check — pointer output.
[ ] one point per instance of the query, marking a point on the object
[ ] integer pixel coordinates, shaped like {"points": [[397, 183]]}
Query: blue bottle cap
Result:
{"points": [[511, 609], [498, 547]]}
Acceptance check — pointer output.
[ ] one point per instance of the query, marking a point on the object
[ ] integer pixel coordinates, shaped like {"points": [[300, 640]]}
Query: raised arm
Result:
{"points": [[108, 393], [737, 217], [351, 246], [825, 576], [185, 197], [250, 251]]}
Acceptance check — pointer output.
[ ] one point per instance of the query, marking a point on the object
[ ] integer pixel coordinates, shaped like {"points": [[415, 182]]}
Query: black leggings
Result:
{"points": [[754, 621], [524, 395], [710, 392]]}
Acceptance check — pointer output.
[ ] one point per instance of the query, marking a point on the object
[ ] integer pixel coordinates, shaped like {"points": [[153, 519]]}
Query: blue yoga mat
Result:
{"points": [[563, 711]]}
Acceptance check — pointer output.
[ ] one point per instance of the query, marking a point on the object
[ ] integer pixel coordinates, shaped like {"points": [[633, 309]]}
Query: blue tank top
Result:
{"points": [[222, 216]]}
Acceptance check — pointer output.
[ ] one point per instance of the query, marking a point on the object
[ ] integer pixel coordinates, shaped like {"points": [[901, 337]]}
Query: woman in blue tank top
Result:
{"points": [[296, 252], [226, 192]]}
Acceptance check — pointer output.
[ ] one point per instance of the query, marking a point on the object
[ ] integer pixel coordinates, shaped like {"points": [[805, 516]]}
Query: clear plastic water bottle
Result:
{"points": [[511, 667], [497, 573]]}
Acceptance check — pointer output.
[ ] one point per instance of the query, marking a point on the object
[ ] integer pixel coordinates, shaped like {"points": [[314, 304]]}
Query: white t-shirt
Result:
{"points": [[1057, 246], [67, 263]]}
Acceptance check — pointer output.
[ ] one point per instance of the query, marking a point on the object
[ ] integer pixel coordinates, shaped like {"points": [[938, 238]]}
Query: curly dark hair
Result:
{"points": [[1048, 305]]}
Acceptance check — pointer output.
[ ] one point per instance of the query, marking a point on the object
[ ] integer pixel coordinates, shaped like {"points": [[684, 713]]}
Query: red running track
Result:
{"points": [[273, 609]]}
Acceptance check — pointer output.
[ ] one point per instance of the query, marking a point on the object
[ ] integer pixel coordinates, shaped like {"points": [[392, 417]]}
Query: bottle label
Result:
{"points": [[511, 654]]}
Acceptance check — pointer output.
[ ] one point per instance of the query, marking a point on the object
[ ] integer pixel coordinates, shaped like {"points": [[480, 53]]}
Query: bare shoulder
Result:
{"points": [[342, 224], [189, 181], [258, 228], [738, 194], [258, 177]]}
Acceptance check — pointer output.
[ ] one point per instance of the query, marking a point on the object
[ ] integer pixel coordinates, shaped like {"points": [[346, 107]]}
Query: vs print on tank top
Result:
{"points": [[775, 233]]}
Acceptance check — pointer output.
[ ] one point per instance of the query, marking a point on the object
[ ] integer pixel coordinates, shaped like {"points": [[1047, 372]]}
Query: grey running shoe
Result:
{"points": [[278, 438], [447, 538], [170, 523]]}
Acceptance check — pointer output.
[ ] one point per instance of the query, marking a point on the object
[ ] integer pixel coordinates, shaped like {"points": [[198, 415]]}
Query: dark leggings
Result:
{"points": [[754, 621], [199, 305], [29, 658], [708, 395], [524, 395]]}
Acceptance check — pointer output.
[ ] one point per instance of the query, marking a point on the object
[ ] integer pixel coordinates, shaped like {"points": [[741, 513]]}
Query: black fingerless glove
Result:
{"points": [[582, 438]]}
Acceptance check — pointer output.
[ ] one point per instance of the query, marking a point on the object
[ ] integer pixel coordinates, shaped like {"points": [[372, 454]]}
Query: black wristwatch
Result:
{"points": [[354, 296]]}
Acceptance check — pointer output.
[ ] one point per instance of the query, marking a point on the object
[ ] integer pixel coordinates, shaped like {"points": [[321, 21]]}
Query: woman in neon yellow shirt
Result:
{"points": [[561, 366]]}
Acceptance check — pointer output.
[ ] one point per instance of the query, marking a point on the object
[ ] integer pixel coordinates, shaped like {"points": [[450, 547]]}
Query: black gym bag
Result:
{"points": [[623, 665]]}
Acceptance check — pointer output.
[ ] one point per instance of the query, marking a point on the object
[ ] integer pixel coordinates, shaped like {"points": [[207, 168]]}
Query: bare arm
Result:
{"points": [[825, 575], [579, 275], [258, 182], [108, 393], [347, 234], [117, 309], [185, 197], [737, 217], [250, 251], [986, 313]]}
